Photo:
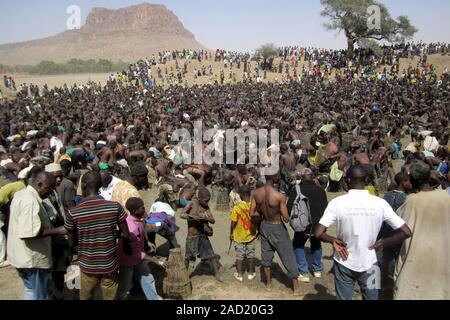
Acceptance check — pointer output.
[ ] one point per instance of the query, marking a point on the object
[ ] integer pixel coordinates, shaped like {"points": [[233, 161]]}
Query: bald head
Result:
{"points": [[91, 182], [357, 177], [356, 173], [203, 193], [420, 174], [274, 178], [43, 182]]}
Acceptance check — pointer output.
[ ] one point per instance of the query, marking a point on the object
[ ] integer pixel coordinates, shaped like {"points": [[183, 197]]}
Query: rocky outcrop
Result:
{"points": [[126, 34]]}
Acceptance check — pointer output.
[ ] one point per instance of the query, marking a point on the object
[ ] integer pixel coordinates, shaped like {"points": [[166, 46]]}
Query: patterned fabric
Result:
{"points": [[244, 232], [96, 221], [395, 199], [167, 195], [124, 191], [245, 250]]}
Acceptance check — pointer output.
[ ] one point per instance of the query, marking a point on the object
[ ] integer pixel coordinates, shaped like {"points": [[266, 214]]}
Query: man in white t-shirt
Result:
{"points": [[108, 184], [358, 217], [56, 140]]}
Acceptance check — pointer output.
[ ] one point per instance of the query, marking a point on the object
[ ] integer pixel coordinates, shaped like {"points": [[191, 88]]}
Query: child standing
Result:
{"points": [[243, 233], [134, 261], [198, 245]]}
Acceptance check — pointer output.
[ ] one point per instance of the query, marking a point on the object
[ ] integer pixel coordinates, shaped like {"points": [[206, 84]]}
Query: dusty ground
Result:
{"points": [[7, 94], [205, 286], [60, 80], [441, 62]]}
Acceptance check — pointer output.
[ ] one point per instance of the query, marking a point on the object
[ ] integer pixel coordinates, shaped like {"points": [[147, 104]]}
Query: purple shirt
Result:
{"points": [[163, 217]]}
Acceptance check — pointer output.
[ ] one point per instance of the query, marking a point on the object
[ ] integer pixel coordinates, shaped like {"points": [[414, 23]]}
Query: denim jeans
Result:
{"points": [[345, 280], [142, 274], [316, 251], [38, 283]]}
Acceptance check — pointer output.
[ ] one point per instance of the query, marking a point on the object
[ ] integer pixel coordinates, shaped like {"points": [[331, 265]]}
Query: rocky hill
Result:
{"points": [[128, 34]]}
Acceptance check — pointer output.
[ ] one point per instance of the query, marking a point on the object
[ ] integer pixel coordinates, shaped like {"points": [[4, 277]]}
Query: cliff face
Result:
{"points": [[128, 34], [136, 19]]}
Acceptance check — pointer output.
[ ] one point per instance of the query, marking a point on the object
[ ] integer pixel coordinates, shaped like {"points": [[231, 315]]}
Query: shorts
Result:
{"points": [[245, 250], [199, 247]]}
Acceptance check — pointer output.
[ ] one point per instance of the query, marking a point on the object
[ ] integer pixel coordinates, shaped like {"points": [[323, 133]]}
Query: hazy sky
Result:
{"points": [[230, 24]]}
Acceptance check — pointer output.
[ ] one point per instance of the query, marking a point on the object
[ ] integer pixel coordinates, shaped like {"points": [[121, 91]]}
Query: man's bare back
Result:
{"points": [[270, 203], [361, 158], [288, 161]]}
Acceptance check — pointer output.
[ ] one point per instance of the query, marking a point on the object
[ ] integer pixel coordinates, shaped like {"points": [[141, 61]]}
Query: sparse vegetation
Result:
{"points": [[74, 66], [268, 52]]}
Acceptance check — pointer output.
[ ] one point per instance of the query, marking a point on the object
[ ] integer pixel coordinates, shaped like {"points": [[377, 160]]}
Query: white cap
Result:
{"points": [[53, 167]]}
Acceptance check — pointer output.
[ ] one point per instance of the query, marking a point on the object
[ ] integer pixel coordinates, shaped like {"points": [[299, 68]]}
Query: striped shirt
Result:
{"points": [[96, 221]]}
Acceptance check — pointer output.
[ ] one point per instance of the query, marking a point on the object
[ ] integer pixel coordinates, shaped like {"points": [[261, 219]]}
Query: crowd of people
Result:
{"points": [[387, 55], [293, 64], [9, 83], [73, 160]]}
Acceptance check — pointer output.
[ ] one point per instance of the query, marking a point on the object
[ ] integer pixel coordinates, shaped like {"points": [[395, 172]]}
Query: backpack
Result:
{"points": [[300, 215]]}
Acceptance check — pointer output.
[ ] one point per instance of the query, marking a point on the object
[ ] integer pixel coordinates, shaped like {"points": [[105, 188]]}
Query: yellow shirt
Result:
{"points": [[244, 231], [8, 191], [372, 190], [312, 159]]}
